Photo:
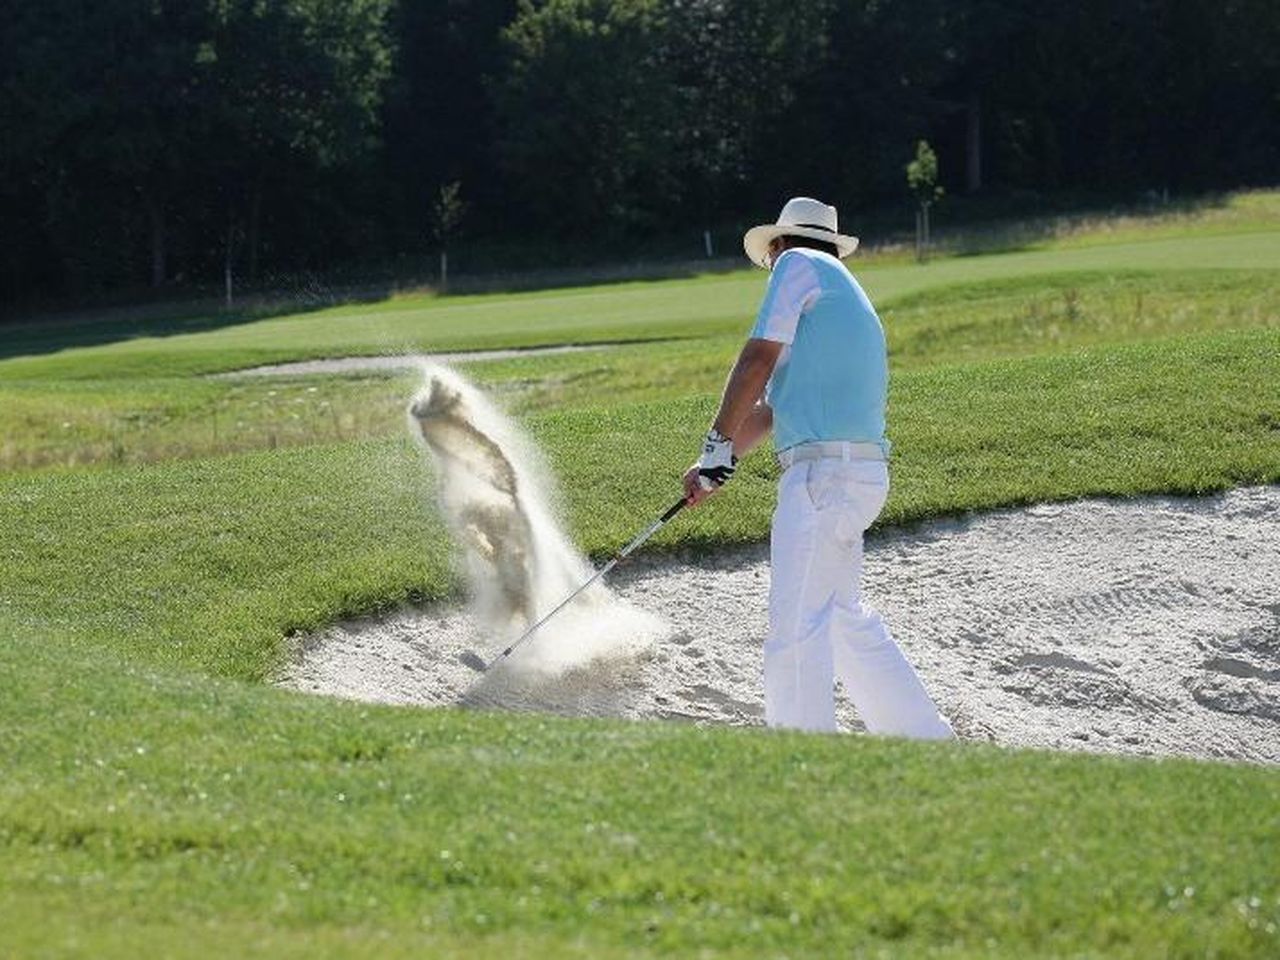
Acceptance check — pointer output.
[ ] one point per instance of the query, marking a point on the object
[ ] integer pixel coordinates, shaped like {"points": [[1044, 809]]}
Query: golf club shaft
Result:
{"points": [[621, 555]]}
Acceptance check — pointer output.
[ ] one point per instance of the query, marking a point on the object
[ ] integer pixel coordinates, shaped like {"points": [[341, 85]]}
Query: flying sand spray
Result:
{"points": [[616, 559], [519, 566]]}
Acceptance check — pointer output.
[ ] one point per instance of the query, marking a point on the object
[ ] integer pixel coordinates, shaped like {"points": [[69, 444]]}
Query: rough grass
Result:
{"points": [[81, 423]]}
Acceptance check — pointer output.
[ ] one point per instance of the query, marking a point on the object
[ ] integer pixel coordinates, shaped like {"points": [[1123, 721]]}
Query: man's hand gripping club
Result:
{"points": [[713, 469]]}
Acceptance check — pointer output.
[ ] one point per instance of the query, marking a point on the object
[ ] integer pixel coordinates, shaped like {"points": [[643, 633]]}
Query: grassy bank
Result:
{"points": [[207, 817]]}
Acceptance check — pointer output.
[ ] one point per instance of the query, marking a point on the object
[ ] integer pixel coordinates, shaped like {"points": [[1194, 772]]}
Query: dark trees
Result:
{"points": [[157, 124], [178, 139]]}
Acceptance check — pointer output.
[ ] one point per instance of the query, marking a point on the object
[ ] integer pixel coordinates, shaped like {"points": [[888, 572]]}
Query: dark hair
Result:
{"points": [[824, 245]]}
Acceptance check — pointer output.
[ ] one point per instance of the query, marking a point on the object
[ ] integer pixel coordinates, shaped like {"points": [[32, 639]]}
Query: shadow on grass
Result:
{"points": [[1034, 225], [90, 327]]}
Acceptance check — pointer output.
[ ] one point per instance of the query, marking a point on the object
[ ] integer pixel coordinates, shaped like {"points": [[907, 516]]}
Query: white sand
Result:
{"points": [[1140, 627], [399, 361]]}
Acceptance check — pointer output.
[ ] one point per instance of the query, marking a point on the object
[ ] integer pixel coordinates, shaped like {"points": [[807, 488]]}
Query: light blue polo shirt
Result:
{"points": [[831, 381]]}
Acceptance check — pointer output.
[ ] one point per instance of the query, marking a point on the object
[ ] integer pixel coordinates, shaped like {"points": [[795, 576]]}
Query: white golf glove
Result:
{"points": [[716, 465]]}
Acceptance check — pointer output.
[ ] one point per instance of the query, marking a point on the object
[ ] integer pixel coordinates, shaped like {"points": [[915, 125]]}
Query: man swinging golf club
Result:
{"points": [[815, 372]]}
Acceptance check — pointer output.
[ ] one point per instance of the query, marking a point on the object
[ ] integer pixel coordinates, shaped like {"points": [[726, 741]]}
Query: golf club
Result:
{"points": [[621, 555]]}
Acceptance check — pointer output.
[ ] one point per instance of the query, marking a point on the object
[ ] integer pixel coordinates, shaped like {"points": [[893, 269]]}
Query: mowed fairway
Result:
{"points": [[622, 312], [163, 531]]}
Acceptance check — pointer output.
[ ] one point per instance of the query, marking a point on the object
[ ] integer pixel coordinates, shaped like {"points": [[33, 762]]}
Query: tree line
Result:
{"points": [[168, 142]]}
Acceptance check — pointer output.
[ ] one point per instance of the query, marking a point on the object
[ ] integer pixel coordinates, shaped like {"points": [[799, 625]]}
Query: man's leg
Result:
{"points": [[804, 580], [878, 678], [880, 681]]}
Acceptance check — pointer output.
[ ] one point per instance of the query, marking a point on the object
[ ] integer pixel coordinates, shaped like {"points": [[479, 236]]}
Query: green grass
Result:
{"points": [[144, 798], [133, 421], [163, 532]]}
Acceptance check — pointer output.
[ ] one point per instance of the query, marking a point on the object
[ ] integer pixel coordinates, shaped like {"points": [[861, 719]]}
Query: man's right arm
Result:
{"points": [[754, 428], [745, 388], [744, 418]]}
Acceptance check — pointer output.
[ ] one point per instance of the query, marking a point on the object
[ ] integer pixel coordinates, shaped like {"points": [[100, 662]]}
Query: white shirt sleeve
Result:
{"points": [[792, 289]]}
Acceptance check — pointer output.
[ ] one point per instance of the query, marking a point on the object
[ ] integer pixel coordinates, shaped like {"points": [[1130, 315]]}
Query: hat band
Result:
{"points": [[810, 226]]}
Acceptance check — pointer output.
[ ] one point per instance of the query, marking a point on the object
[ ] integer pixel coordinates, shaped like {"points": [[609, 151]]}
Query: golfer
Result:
{"points": [[815, 372]]}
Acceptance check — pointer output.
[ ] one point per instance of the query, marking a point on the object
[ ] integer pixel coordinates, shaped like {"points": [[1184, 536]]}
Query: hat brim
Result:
{"points": [[756, 240]]}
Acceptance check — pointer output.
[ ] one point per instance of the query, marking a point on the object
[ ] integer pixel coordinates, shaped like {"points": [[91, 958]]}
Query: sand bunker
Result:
{"points": [[1142, 627]]}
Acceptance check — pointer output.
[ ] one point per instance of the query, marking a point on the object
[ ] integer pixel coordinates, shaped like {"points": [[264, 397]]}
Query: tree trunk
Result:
{"points": [[444, 271], [920, 233], [973, 145], [155, 220], [255, 228], [228, 258]]}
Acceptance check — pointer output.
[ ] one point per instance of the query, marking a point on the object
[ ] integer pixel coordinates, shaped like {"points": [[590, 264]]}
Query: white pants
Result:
{"points": [[818, 627]]}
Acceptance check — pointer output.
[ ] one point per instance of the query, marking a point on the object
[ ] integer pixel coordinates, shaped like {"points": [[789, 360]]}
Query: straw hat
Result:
{"points": [[801, 217]]}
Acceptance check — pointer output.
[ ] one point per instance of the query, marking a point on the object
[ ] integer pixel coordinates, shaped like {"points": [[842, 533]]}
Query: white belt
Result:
{"points": [[830, 449]]}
